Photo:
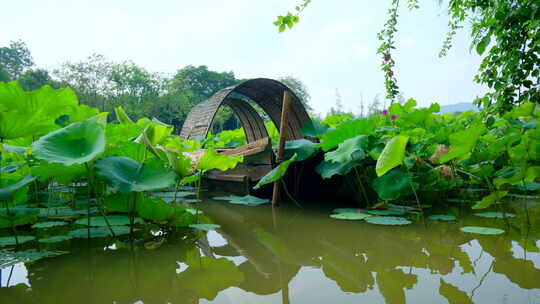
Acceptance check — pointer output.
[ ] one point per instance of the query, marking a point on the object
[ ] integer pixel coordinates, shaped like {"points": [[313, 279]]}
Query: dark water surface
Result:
{"points": [[289, 255]]}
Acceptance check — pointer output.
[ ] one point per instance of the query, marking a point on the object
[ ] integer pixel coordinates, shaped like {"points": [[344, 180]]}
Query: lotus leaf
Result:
{"points": [[346, 130], [490, 199], [155, 209], [442, 217], [55, 239], [494, 214], [346, 210], [9, 168], [64, 175], [392, 155], [276, 174], [204, 227], [7, 192], [75, 144], [193, 211], [99, 232], [32, 113], [10, 240], [387, 212], [127, 175], [122, 117], [462, 142], [303, 148], [351, 149], [226, 198], [156, 132], [10, 258], [350, 216], [48, 224], [393, 185], [64, 212], [213, 160], [191, 201], [387, 220], [114, 220], [313, 128], [481, 230], [328, 169]]}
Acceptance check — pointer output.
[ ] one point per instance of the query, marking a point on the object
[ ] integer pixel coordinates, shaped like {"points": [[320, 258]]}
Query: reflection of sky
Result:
{"points": [[333, 47], [19, 275]]}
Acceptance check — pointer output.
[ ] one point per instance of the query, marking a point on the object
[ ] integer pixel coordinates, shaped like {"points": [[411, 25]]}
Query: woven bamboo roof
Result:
{"points": [[266, 93]]}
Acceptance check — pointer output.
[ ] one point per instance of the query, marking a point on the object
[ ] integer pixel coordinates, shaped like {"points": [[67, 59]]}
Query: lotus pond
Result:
{"points": [[259, 254]]}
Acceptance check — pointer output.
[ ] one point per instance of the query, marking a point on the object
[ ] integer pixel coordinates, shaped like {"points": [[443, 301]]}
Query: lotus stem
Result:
{"points": [[289, 195], [359, 178]]}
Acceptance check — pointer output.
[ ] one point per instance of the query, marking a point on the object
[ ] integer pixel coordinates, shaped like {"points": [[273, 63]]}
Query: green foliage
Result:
{"points": [[15, 58], [388, 220], [393, 185], [213, 160], [100, 221], [442, 217], [75, 144], [350, 216], [204, 227], [126, 175], [14, 240], [349, 150], [303, 148], [277, 173], [481, 230], [392, 155]]}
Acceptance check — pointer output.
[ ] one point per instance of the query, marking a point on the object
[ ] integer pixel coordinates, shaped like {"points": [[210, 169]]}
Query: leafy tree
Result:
{"points": [[199, 83], [4, 75], [34, 79], [15, 58], [299, 89]]}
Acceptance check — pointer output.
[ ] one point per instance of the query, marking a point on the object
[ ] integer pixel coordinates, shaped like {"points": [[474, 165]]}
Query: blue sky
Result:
{"points": [[333, 46]]}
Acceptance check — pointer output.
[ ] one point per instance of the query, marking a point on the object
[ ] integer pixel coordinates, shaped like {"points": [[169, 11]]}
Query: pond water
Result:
{"points": [[290, 255]]}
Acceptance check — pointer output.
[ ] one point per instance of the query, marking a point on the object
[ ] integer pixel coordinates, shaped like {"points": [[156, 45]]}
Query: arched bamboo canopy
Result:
{"points": [[266, 93]]}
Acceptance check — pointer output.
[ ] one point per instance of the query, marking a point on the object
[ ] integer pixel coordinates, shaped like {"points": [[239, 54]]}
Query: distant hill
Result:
{"points": [[458, 107]]}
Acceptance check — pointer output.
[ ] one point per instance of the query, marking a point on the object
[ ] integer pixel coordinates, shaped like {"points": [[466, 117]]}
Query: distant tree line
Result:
{"points": [[104, 84]]}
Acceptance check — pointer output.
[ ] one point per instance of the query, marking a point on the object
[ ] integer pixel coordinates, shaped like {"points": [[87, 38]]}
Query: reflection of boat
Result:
{"points": [[259, 157]]}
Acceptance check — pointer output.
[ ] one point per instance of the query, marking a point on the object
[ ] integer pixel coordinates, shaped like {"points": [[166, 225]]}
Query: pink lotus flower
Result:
{"points": [[394, 117], [384, 112], [390, 73], [386, 58]]}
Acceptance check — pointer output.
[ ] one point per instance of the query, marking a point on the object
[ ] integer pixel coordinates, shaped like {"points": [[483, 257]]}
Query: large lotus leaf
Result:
{"points": [[392, 155], [350, 216], [32, 113], [387, 220], [494, 214], [328, 169], [346, 130], [481, 230], [77, 143], [249, 200], [462, 142], [490, 199], [17, 219], [100, 221], [155, 131], [349, 150], [7, 192], [206, 276], [64, 175], [313, 128], [155, 209], [180, 163], [10, 240], [393, 185], [127, 175], [303, 148], [99, 232], [277, 173], [213, 160]]}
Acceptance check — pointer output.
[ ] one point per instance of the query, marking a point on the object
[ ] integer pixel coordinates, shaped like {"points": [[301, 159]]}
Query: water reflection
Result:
{"points": [[294, 256]]}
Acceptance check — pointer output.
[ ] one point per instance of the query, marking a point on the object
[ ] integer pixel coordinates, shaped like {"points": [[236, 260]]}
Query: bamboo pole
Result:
{"points": [[282, 138]]}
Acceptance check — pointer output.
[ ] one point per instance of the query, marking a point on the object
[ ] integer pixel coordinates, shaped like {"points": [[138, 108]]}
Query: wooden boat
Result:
{"points": [[259, 157]]}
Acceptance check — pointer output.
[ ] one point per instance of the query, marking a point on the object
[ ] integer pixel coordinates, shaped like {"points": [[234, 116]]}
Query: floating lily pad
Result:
{"points": [[387, 220], [49, 224], [10, 258], [387, 212], [62, 211], [494, 214], [191, 201], [247, 200], [442, 217], [481, 230], [204, 227], [99, 232], [56, 239], [350, 216], [10, 240], [114, 220], [346, 210], [459, 201]]}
